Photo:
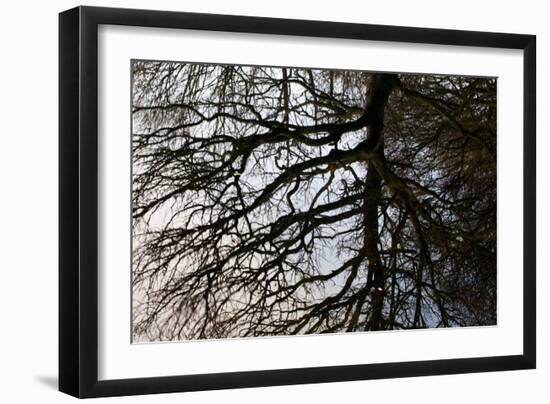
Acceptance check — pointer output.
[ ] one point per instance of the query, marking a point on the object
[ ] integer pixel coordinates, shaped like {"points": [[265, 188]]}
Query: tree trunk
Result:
{"points": [[381, 87]]}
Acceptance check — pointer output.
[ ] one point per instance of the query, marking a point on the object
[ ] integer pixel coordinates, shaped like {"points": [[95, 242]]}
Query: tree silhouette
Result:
{"points": [[278, 201]]}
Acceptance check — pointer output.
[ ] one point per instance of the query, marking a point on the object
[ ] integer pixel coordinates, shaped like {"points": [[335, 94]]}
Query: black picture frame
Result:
{"points": [[78, 201]]}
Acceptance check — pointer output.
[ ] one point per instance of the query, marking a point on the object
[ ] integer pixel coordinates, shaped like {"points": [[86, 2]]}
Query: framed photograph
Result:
{"points": [[251, 201]]}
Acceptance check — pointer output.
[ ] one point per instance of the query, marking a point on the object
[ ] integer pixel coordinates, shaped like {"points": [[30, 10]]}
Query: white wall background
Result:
{"points": [[28, 202]]}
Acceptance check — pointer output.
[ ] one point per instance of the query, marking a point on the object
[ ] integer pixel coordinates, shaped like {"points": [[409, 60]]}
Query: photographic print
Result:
{"points": [[276, 201]]}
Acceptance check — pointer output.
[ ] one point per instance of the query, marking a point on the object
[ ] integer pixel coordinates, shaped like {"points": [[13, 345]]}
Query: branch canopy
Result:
{"points": [[279, 201]]}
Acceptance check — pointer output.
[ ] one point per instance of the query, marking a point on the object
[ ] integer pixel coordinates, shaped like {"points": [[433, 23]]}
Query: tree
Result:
{"points": [[276, 201]]}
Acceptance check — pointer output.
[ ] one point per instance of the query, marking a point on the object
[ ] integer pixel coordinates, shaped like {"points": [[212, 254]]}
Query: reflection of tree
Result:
{"points": [[274, 201]]}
